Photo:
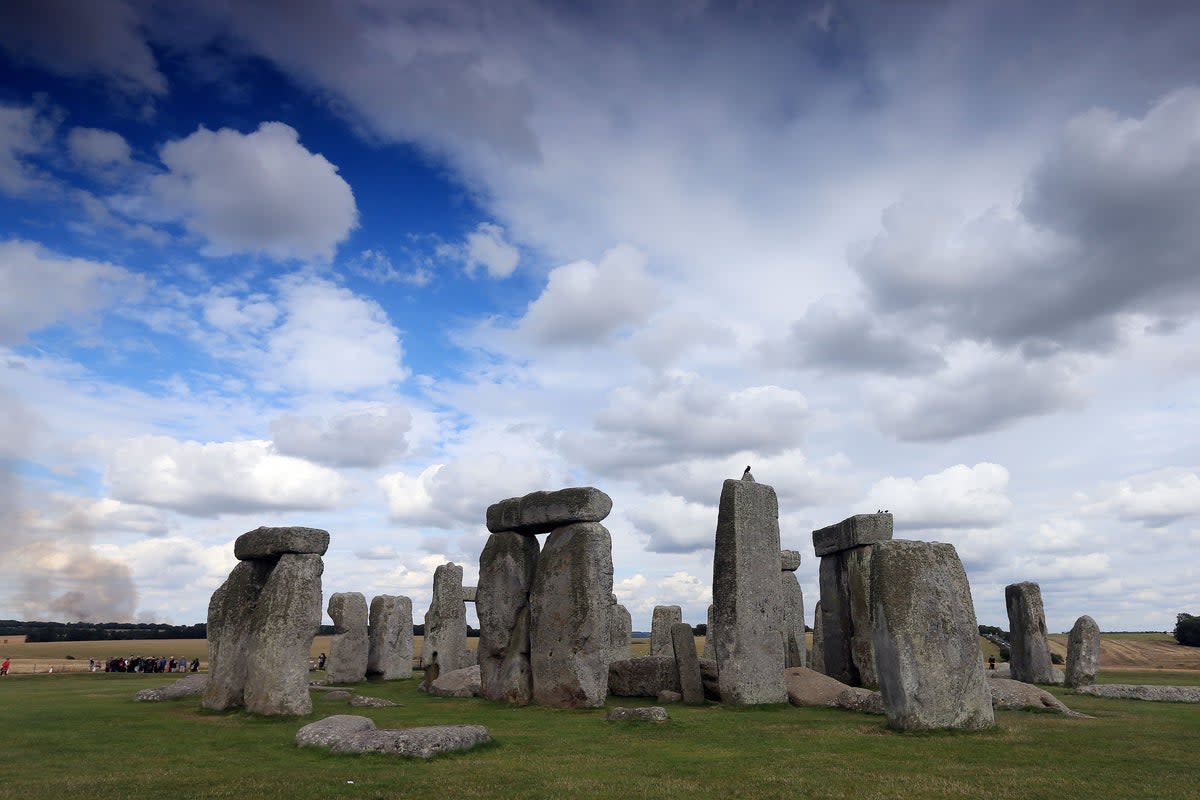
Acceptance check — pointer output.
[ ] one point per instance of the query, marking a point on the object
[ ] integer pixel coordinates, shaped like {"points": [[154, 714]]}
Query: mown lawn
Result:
{"points": [[81, 735]]}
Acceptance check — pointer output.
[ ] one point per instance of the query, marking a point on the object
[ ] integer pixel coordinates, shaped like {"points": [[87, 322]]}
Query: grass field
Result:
{"points": [[82, 736]]}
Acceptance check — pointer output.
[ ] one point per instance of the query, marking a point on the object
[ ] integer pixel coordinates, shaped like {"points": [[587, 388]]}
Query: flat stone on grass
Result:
{"points": [[645, 714], [346, 733]]}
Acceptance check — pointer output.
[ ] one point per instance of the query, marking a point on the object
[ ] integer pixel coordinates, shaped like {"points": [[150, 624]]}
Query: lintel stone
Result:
{"points": [[273, 542], [542, 512], [856, 531]]}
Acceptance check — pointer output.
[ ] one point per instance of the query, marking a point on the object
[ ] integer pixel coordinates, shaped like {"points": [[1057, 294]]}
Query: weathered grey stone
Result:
{"points": [[339, 695], [344, 733], [365, 701], [856, 531], [569, 617], [1127, 691], [350, 646], [1010, 695], [506, 569], [1030, 660], [687, 664], [710, 636], [445, 642], [644, 676], [806, 687], [848, 652], [272, 542], [747, 596], [789, 560], [646, 714], [285, 620], [660, 629], [459, 683], [794, 644], [710, 679], [1083, 652], [542, 512], [666, 696], [191, 685], [390, 654], [470, 593], [817, 662], [864, 701], [229, 624], [621, 633], [926, 639]]}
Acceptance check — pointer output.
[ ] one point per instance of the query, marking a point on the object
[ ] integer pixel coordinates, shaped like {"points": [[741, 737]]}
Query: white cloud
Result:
{"points": [[1154, 499], [485, 247], [367, 437], [457, 494], [957, 497], [39, 288], [261, 192], [209, 479], [674, 525], [584, 303], [686, 589], [94, 148]]}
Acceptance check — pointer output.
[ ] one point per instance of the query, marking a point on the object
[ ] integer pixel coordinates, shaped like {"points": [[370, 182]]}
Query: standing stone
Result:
{"points": [[1030, 660], [542, 512], [747, 596], [794, 645], [926, 639], [848, 653], [710, 636], [391, 638], [1083, 652], [506, 569], [285, 620], [230, 620], [569, 617], [350, 646], [818, 648], [445, 642], [621, 633], [660, 629], [684, 646]]}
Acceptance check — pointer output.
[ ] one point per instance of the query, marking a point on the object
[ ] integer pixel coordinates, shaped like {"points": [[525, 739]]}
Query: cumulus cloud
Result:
{"points": [[214, 478], [260, 192], [674, 525], [82, 39], [39, 288], [368, 437], [957, 497], [485, 247], [584, 303], [1155, 499], [97, 149], [457, 494]]}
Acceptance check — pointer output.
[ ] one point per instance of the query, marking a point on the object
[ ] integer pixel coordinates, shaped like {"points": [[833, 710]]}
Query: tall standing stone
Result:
{"points": [[747, 596], [687, 663], [660, 629], [262, 620], [1030, 660], [1083, 652], [818, 648], [506, 569], [445, 642], [621, 632], [350, 646], [710, 636], [795, 646], [391, 637], [926, 639], [570, 617]]}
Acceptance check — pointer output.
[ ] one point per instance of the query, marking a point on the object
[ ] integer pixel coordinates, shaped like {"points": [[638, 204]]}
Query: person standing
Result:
{"points": [[4, 667]]}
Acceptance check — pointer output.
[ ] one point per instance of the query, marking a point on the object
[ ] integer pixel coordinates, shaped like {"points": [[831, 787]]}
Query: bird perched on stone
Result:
{"points": [[746, 476]]}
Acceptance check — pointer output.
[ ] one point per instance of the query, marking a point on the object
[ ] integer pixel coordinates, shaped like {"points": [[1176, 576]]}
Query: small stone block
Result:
{"points": [[790, 560]]}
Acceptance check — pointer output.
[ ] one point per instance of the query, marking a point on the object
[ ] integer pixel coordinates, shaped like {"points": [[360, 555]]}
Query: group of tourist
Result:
{"points": [[151, 664]]}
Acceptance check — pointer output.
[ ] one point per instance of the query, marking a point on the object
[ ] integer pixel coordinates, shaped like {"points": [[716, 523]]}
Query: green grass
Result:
{"points": [[81, 735]]}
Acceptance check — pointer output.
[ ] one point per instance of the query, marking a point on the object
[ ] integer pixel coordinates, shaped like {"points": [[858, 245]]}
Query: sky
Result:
{"points": [[372, 266]]}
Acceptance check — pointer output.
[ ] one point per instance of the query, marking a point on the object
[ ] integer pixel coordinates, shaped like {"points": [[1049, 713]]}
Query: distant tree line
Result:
{"points": [[99, 631], [1187, 629]]}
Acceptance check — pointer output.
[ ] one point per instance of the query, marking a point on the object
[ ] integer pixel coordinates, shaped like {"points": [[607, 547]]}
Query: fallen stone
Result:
{"points": [[687, 664], [1030, 649], [807, 687], [349, 647], [345, 733], [644, 676], [1010, 695], [542, 512], [271, 542], [569, 617], [926, 639], [645, 714], [1083, 653], [747, 597], [191, 685], [459, 683], [1160, 694], [865, 701], [445, 642], [506, 569], [666, 696], [390, 634], [856, 531], [338, 694], [364, 701], [660, 629], [789, 560]]}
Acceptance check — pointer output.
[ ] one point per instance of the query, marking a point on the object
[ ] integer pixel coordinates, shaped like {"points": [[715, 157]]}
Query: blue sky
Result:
{"points": [[373, 266]]}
